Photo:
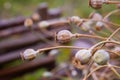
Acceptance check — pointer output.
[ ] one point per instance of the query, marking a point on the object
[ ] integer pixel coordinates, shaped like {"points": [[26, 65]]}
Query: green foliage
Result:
{"points": [[26, 7]]}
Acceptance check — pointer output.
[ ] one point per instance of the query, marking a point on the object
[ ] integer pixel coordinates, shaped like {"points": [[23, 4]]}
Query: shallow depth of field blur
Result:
{"points": [[14, 8]]}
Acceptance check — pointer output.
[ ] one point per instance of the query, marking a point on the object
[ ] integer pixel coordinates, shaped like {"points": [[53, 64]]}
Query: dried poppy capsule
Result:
{"points": [[29, 54], [96, 4], [35, 17], [99, 25], [83, 55], [28, 22], [96, 16], [86, 26], [54, 52], [101, 57], [64, 36], [47, 74], [75, 19], [43, 24]]}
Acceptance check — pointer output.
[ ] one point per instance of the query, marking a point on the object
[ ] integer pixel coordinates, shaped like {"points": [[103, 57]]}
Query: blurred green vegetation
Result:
{"points": [[12, 8]]}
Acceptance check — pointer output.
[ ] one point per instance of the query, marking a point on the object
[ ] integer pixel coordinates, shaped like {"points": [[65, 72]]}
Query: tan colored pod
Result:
{"points": [[29, 54], [83, 55], [96, 4], [64, 36], [101, 57]]}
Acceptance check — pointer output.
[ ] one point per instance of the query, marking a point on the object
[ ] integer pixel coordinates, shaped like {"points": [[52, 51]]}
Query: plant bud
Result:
{"points": [[47, 74], [74, 73], [101, 57], [35, 17], [28, 22], [64, 36], [83, 55], [29, 54], [75, 19], [43, 24], [96, 16], [86, 26], [96, 4], [53, 52], [99, 25]]}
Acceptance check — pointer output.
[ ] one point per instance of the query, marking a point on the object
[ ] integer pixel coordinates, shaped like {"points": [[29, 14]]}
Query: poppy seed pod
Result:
{"points": [[35, 17], [96, 16], [64, 36], [47, 74], [53, 52], [99, 25], [101, 57], [28, 22], [29, 54], [86, 26], [96, 4], [83, 55], [75, 19], [43, 24]]}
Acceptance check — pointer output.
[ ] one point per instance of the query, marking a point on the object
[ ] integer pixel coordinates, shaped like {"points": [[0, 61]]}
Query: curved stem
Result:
{"points": [[113, 52], [111, 30], [108, 28], [88, 69], [109, 14], [106, 22], [107, 41], [113, 33], [102, 42], [110, 23], [77, 35], [94, 76], [116, 66], [112, 2], [95, 70], [59, 22], [56, 22], [111, 36], [116, 73], [57, 47]]}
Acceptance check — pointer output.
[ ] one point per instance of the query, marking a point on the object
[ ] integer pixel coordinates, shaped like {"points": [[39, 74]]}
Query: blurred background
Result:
{"points": [[12, 8], [15, 8]]}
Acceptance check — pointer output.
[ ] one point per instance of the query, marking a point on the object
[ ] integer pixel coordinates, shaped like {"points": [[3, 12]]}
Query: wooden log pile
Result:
{"points": [[15, 37]]}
